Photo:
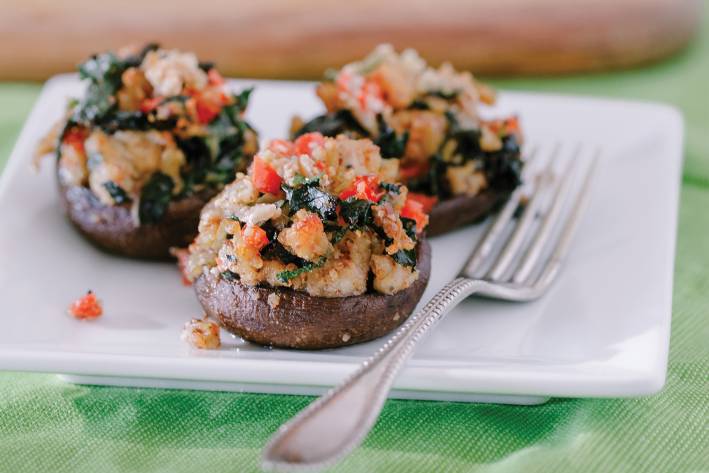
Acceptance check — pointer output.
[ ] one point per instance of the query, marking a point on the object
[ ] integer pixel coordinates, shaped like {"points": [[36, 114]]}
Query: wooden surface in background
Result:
{"points": [[301, 38]]}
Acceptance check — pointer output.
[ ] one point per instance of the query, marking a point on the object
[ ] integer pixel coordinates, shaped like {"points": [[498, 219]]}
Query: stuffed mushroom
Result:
{"points": [[458, 165], [317, 246], [155, 135]]}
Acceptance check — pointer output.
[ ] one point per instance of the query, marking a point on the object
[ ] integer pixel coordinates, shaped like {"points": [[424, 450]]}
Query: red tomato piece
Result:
{"points": [[255, 236], [148, 105], [207, 110], [505, 126], [306, 143], [75, 137], [364, 188], [264, 177], [86, 307], [427, 201], [414, 210]]}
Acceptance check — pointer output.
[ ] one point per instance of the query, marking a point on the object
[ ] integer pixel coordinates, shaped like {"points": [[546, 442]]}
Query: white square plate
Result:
{"points": [[602, 331]]}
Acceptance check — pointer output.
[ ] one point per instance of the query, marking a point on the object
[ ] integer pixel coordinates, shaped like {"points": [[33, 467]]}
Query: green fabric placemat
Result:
{"points": [[49, 426]]}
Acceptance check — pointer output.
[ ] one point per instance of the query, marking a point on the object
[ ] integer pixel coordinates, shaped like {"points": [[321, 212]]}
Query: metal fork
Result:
{"points": [[336, 423]]}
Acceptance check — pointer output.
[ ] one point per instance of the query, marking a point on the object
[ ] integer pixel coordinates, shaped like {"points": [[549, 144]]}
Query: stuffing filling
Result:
{"points": [[426, 117], [154, 125], [319, 215]]}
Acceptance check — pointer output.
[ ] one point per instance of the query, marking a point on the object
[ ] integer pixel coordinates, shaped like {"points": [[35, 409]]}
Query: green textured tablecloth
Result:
{"points": [[49, 426]]}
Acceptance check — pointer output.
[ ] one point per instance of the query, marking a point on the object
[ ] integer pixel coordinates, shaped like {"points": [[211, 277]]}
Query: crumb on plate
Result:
{"points": [[87, 306], [201, 333]]}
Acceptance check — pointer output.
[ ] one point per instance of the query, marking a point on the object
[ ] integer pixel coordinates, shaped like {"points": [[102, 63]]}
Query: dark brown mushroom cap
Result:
{"points": [[112, 228], [299, 320], [457, 211]]}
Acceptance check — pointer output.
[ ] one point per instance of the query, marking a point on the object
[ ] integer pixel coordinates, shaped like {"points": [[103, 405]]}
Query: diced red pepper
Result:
{"points": [[264, 177], [427, 201], [282, 147], [414, 210], [410, 171], [207, 110], [86, 307], [255, 236], [364, 188], [148, 105], [208, 103], [75, 137], [214, 77], [505, 126], [305, 143]]}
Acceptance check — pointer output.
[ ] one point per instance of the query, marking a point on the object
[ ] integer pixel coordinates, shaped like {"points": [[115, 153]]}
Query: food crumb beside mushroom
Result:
{"points": [[87, 306], [201, 333], [273, 300]]}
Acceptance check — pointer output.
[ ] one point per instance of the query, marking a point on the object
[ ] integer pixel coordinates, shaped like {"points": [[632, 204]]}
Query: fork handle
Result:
{"points": [[336, 423]]}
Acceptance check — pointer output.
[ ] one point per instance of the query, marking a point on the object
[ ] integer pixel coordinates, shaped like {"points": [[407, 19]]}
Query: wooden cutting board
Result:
{"points": [[301, 38]]}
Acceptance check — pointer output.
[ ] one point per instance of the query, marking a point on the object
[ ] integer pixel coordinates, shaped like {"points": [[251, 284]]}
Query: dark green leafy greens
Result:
{"points": [[155, 198], [285, 276], [389, 187], [444, 95], [117, 193], [310, 197], [409, 225], [241, 101], [357, 213], [333, 124], [229, 275], [405, 257], [390, 143]]}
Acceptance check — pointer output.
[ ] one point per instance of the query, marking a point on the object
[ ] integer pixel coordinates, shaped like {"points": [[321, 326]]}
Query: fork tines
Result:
{"points": [[530, 236]]}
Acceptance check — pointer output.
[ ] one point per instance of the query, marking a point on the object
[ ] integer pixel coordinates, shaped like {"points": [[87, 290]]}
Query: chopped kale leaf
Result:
{"points": [[155, 198], [390, 143], [241, 101], [419, 105], [103, 68], [389, 187], [338, 235], [229, 275], [444, 95], [409, 227], [117, 193], [310, 197], [104, 74], [285, 276], [300, 180], [357, 213], [405, 257], [432, 182], [503, 168], [206, 65], [333, 124], [274, 250]]}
